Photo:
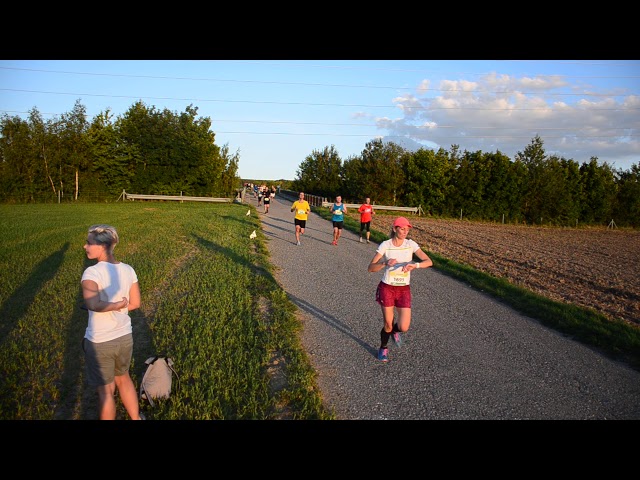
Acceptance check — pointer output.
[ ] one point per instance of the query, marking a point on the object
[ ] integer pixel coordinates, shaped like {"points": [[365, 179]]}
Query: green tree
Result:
{"points": [[599, 190], [112, 162], [560, 192], [19, 166], [500, 195], [134, 129], [320, 173], [354, 180], [534, 159], [382, 165], [73, 151], [46, 143], [230, 179], [31, 150], [172, 153], [427, 176], [627, 206], [469, 181], [513, 192], [196, 156]]}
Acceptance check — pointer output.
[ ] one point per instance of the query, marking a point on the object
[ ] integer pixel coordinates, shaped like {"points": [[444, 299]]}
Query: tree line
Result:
{"points": [[145, 151], [151, 151], [534, 188]]}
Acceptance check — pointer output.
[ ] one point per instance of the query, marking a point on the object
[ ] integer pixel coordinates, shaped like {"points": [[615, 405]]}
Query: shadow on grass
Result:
{"points": [[19, 302]]}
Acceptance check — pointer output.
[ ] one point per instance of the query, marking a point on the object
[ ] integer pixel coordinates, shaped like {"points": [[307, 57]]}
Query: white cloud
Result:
{"points": [[506, 113]]}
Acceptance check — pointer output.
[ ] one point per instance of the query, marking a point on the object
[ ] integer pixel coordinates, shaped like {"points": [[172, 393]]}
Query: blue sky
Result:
{"points": [[275, 113]]}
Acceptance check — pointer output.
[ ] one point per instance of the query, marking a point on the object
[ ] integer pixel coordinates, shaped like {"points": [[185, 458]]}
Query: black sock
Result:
{"points": [[395, 328], [384, 338]]}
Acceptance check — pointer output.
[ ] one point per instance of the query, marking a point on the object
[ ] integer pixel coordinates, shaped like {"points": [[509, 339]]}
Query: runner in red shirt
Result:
{"points": [[366, 211]]}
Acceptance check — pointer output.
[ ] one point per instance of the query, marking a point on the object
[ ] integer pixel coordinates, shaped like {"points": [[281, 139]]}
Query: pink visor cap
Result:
{"points": [[401, 222]]}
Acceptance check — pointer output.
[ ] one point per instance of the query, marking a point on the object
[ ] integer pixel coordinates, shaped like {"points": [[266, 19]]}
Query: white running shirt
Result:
{"points": [[114, 282], [403, 254]]}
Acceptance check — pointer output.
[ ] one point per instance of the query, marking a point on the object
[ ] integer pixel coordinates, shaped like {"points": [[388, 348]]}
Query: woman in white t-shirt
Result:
{"points": [[395, 256], [110, 290]]}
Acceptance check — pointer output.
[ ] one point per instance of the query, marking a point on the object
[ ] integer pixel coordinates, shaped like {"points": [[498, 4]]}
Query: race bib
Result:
{"points": [[301, 212], [338, 212], [398, 277]]}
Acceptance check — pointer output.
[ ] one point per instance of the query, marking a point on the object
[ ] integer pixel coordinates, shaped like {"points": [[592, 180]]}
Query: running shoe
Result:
{"points": [[360, 240], [334, 243], [367, 241], [298, 243], [383, 355], [397, 339]]}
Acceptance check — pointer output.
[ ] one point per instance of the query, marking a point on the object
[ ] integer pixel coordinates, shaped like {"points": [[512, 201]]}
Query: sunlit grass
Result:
{"points": [[203, 286]]}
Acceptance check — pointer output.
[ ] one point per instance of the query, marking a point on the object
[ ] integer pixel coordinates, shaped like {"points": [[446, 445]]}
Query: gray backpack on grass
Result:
{"points": [[156, 382]]}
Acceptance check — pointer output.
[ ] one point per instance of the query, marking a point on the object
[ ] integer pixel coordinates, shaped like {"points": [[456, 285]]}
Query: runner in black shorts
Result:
{"points": [[267, 201], [338, 210], [366, 211], [302, 209]]}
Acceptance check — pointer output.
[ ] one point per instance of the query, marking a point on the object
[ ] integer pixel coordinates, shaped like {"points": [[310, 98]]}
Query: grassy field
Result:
{"points": [[209, 300]]}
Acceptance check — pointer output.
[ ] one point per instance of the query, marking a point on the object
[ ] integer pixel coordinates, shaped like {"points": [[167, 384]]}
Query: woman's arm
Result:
{"points": [[134, 296], [91, 295], [376, 265], [425, 261]]}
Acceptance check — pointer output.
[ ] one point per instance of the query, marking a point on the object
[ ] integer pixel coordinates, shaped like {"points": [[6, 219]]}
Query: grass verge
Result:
{"points": [[209, 301]]}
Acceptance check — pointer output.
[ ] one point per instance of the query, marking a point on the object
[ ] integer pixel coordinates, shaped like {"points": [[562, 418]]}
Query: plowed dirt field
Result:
{"points": [[590, 267]]}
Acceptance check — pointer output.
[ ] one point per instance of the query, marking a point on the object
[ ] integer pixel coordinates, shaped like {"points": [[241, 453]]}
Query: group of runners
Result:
{"points": [[394, 257], [264, 195]]}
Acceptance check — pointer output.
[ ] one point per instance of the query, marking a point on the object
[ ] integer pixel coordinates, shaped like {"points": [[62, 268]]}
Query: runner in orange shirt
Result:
{"points": [[366, 211]]}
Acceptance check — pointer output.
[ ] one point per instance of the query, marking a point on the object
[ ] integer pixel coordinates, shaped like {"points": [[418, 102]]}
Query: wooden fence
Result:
{"points": [[179, 198], [316, 201], [414, 210]]}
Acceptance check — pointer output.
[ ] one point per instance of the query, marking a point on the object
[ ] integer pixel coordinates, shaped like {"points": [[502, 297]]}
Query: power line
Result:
{"points": [[307, 84], [436, 127], [395, 106], [439, 139], [308, 104], [387, 69]]}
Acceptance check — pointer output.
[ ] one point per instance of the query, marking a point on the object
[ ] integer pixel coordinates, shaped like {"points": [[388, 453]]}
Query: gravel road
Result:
{"points": [[465, 357]]}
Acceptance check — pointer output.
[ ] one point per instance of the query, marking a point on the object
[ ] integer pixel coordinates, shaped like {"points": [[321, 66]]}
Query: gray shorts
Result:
{"points": [[105, 360]]}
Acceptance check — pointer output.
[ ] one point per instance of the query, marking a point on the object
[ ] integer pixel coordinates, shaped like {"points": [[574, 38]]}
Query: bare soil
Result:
{"points": [[597, 268]]}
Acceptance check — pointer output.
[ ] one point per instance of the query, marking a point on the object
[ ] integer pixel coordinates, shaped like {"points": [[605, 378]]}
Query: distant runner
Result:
{"points": [[366, 211], [338, 210]]}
